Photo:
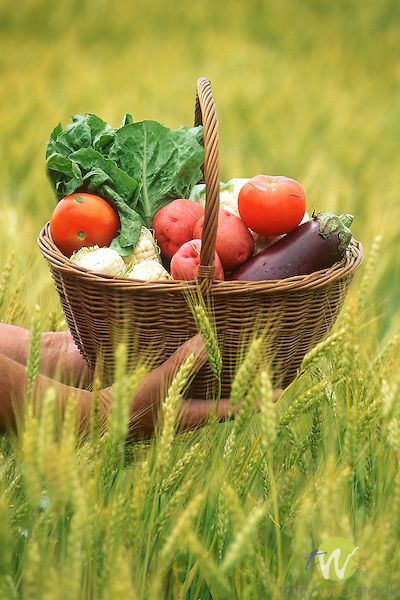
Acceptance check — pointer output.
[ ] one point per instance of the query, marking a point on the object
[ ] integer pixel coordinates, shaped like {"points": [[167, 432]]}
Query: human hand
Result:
{"points": [[193, 412]]}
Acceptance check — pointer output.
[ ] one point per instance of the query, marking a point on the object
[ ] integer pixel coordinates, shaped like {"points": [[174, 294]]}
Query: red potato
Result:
{"points": [[173, 224], [185, 262], [234, 244]]}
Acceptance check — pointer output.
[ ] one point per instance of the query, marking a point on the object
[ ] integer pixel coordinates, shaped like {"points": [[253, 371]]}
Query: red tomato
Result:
{"points": [[83, 220], [271, 205]]}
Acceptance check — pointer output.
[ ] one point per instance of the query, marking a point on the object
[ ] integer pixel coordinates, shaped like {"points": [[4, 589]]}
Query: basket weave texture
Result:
{"points": [[297, 312]]}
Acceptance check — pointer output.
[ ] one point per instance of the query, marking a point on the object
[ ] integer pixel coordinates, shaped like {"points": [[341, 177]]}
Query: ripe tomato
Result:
{"points": [[271, 205], [83, 220]]}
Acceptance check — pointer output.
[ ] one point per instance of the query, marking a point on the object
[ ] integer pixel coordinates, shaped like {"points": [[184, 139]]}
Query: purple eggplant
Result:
{"points": [[315, 245]]}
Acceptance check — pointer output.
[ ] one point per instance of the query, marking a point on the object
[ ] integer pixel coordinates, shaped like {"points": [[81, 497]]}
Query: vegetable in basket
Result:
{"points": [[105, 261], [315, 245], [173, 225], [144, 262], [148, 270], [234, 242], [228, 194], [137, 168], [186, 260], [228, 200], [271, 205], [83, 220], [145, 249]]}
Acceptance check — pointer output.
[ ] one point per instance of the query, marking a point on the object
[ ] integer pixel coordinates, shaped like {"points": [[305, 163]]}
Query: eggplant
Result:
{"points": [[315, 245]]}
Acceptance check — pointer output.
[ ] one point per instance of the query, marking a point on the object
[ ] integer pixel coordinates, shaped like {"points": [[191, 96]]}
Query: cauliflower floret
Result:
{"points": [[146, 249], [228, 194], [148, 270], [101, 260]]}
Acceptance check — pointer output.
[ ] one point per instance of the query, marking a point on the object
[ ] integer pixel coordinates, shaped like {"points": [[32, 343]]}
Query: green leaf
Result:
{"points": [[130, 220], [64, 174], [122, 250], [106, 171], [166, 163], [127, 120]]}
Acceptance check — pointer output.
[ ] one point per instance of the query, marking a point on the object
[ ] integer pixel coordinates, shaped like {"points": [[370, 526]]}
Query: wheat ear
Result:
{"points": [[169, 412]]}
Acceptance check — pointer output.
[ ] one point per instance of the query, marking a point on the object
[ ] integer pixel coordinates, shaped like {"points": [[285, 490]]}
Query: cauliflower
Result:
{"points": [[144, 263], [148, 270], [228, 194], [146, 249], [101, 260]]}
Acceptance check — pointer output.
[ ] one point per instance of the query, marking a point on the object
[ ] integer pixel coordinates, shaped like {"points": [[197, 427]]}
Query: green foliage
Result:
{"points": [[138, 167], [232, 509]]}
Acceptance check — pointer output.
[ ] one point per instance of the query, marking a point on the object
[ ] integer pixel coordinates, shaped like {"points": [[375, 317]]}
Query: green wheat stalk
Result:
{"points": [[33, 360], [221, 519], [247, 370], [193, 457], [322, 349], [268, 412], [169, 411], [209, 336], [178, 498], [5, 278], [316, 432], [174, 540], [243, 538], [302, 404], [369, 270]]}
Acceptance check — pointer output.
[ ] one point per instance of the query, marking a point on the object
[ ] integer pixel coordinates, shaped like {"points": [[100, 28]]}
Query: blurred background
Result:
{"points": [[305, 89]]}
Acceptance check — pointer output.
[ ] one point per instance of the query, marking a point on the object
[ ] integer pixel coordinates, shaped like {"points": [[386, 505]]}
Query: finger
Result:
{"points": [[155, 385], [194, 413]]}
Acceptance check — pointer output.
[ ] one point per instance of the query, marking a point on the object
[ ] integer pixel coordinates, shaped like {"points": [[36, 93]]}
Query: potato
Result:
{"points": [[235, 244], [185, 262], [173, 224]]}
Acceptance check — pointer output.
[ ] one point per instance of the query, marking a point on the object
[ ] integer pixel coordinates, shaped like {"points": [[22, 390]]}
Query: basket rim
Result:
{"points": [[318, 279]]}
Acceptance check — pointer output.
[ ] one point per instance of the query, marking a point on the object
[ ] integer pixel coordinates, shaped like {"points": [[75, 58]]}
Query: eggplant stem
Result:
{"points": [[346, 219]]}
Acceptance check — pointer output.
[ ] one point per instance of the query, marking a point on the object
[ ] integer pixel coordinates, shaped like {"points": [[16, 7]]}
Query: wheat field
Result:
{"points": [[309, 90]]}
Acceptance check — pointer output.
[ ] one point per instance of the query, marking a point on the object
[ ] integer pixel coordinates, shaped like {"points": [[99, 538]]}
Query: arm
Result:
{"points": [[59, 356], [145, 404], [12, 395]]}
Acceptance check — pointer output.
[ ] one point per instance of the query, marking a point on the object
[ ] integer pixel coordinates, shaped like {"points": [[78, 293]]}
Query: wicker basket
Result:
{"points": [[299, 311]]}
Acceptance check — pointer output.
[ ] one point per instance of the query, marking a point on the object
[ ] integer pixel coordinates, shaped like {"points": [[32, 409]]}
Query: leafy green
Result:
{"points": [[165, 162], [138, 168]]}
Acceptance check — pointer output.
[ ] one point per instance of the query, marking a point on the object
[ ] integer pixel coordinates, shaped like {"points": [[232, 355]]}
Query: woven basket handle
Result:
{"points": [[205, 115]]}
